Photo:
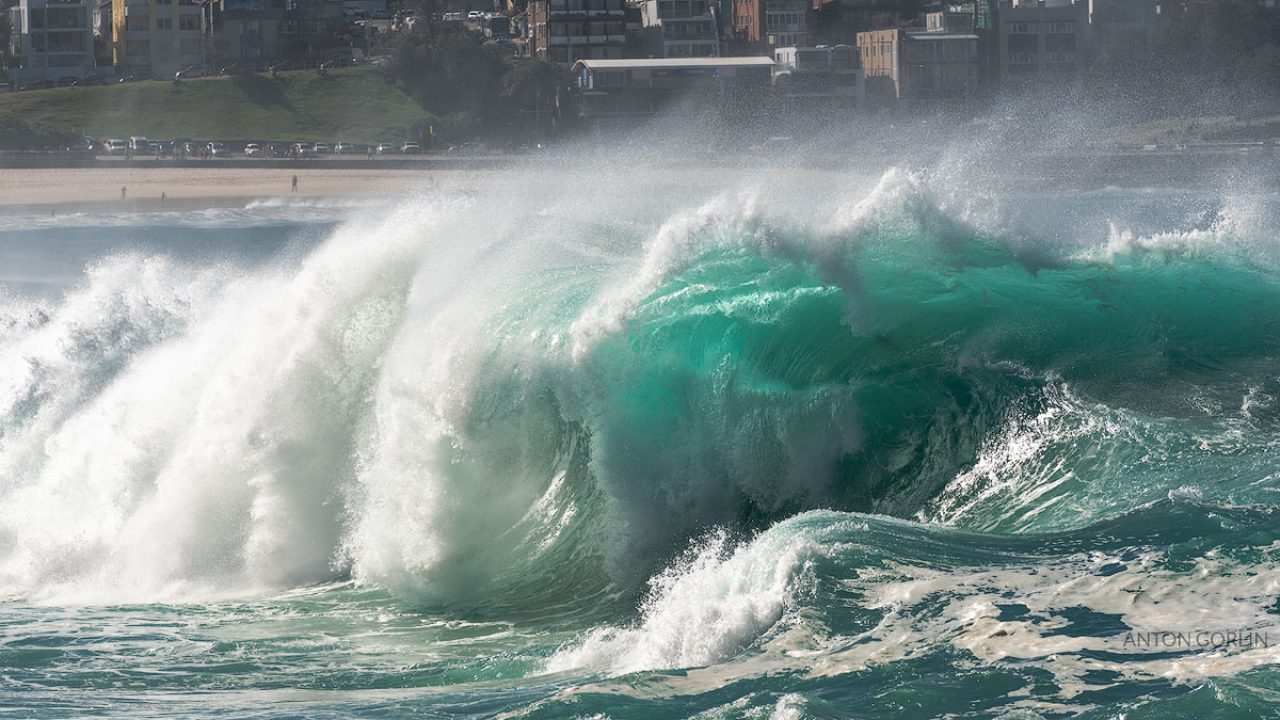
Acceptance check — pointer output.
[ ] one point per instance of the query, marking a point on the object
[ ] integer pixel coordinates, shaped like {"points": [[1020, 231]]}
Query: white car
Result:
{"points": [[410, 149], [344, 148], [253, 150], [115, 147], [320, 149]]}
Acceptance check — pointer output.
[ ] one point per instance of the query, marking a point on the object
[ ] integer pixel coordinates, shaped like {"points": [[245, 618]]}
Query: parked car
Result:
{"points": [[139, 145], [303, 150], [469, 149], [384, 149], [279, 150], [344, 148], [115, 147], [217, 149], [320, 149], [410, 148], [155, 148], [253, 150]]}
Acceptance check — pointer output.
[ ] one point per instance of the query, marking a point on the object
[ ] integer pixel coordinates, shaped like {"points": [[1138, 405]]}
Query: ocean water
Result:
{"points": [[646, 444]]}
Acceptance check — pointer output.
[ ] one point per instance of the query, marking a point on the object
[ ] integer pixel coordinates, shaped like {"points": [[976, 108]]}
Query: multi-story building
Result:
{"points": [[620, 91], [1042, 44], [1123, 30], [838, 21], [682, 28], [156, 38], [785, 23], [817, 78], [52, 40], [566, 31], [748, 21], [244, 31], [306, 27], [918, 68], [772, 23]]}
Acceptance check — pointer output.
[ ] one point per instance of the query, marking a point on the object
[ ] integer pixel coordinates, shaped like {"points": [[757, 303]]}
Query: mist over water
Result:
{"points": [[639, 440]]}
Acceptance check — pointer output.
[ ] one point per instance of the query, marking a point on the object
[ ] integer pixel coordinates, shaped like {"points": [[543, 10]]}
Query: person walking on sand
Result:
{"points": [[123, 192], [295, 183], [163, 197]]}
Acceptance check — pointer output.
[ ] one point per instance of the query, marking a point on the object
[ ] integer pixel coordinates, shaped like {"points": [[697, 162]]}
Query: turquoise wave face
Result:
{"points": [[908, 371], [885, 459]]}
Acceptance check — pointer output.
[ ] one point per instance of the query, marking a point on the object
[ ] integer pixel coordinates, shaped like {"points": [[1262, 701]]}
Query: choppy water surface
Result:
{"points": [[781, 445]]}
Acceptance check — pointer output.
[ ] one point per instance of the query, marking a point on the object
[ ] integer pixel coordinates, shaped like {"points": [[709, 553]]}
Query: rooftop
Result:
{"points": [[941, 36], [660, 63]]}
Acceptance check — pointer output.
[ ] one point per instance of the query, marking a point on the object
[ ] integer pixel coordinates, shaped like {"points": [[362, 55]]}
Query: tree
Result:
{"points": [[6, 36], [452, 73]]}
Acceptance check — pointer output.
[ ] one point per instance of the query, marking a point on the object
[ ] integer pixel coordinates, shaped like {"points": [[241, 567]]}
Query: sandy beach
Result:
{"points": [[74, 189]]}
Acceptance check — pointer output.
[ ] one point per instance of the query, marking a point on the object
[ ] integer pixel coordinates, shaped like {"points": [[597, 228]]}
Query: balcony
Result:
{"points": [[576, 40]]}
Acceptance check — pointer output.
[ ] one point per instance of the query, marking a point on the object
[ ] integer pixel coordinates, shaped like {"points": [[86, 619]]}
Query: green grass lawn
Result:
{"points": [[351, 105]]}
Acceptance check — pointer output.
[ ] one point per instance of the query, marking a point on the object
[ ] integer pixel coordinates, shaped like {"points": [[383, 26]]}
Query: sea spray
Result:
{"points": [[470, 455]]}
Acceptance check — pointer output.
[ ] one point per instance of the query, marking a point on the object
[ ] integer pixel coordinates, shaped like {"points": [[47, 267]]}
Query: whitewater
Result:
{"points": [[624, 442]]}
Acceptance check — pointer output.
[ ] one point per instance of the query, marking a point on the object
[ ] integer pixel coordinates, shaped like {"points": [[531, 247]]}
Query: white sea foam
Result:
{"points": [[707, 608], [391, 406]]}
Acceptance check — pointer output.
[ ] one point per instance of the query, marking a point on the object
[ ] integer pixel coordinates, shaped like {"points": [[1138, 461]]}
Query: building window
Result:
{"points": [[66, 43], [188, 22], [1024, 44], [65, 19], [1060, 43], [164, 23]]}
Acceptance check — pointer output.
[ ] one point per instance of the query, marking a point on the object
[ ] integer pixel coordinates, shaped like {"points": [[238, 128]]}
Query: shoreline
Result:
{"points": [[65, 191], [46, 191]]}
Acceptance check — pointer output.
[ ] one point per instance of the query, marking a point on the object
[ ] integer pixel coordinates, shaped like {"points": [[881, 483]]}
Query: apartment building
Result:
{"points": [[52, 40], [1123, 29], [1042, 44], [838, 21], [566, 31], [245, 31], [818, 78], [915, 68], [772, 23], [682, 28], [156, 38]]}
